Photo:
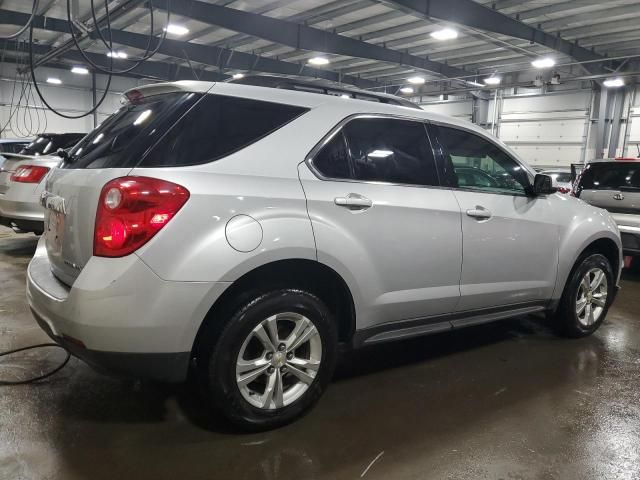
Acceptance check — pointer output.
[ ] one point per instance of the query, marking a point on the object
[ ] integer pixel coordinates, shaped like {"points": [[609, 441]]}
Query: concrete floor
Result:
{"points": [[508, 400]]}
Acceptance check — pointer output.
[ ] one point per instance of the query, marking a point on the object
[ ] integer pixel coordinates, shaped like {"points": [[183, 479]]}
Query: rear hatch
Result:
{"points": [[110, 151], [12, 162], [614, 186]]}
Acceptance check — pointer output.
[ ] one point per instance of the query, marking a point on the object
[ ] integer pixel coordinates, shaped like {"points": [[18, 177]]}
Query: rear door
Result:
{"points": [[381, 220], [510, 253]]}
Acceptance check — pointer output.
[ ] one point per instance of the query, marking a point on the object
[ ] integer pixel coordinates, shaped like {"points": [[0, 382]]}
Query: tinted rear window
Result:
{"points": [[611, 176], [12, 147], [216, 127], [122, 139], [49, 144]]}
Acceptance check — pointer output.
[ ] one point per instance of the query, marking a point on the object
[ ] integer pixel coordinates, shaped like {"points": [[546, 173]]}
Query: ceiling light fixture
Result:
{"points": [[54, 80], [416, 80], [115, 54], [319, 61], [176, 29], [237, 76], [492, 80], [80, 70], [406, 90], [445, 34], [544, 62], [613, 82]]}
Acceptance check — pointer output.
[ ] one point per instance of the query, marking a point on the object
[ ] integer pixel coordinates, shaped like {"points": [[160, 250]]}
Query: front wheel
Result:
{"points": [[587, 297], [273, 359]]}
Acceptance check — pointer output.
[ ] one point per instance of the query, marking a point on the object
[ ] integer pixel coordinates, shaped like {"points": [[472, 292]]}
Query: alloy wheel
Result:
{"points": [[592, 296], [278, 360]]}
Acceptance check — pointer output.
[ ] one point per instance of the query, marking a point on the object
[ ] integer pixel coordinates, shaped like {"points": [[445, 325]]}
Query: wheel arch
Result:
{"points": [[310, 275]]}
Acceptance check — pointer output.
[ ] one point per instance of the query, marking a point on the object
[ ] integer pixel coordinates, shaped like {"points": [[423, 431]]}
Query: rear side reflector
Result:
{"points": [[131, 210], [29, 174]]}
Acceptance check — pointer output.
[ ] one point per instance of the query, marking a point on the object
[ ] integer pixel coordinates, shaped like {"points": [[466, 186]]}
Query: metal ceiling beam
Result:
{"points": [[471, 14], [301, 36], [117, 12], [204, 54], [150, 69]]}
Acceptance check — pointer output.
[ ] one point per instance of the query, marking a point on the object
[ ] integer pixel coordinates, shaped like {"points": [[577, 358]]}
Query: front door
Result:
{"points": [[380, 220], [510, 253]]}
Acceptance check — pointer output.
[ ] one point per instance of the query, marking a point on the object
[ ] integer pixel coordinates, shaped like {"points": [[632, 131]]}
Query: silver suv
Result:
{"points": [[615, 186], [245, 232]]}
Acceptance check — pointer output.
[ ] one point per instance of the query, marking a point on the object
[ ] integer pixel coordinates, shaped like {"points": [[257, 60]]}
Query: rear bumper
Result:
{"points": [[20, 205], [164, 367], [121, 317]]}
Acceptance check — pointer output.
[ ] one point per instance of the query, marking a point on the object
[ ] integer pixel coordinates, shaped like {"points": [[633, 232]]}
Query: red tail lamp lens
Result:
{"points": [[29, 174], [131, 210]]}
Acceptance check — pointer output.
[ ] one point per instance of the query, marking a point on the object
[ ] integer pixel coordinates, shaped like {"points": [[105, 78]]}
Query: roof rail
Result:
{"points": [[322, 87]]}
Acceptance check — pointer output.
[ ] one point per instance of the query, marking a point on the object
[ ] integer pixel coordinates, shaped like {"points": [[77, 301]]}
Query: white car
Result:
{"points": [[562, 179], [22, 180]]}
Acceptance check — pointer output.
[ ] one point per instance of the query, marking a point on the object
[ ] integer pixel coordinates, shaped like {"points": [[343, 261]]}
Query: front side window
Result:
{"points": [[479, 164], [390, 150]]}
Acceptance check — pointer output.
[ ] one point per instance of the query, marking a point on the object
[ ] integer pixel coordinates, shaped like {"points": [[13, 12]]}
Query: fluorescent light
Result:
{"points": [[416, 80], [475, 84], [237, 76], [380, 154], [176, 29], [445, 34], [614, 82], [544, 62], [80, 70], [344, 95], [492, 80], [54, 80], [115, 54], [406, 90], [319, 61]]}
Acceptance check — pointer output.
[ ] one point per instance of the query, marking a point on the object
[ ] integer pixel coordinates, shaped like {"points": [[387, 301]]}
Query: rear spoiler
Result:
{"points": [[136, 94]]}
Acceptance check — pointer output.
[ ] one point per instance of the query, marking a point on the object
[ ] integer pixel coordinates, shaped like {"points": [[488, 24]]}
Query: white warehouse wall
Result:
{"points": [[633, 129], [72, 97]]}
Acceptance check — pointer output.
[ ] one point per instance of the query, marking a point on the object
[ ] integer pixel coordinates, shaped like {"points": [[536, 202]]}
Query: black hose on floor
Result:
{"points": [[40, 377]]}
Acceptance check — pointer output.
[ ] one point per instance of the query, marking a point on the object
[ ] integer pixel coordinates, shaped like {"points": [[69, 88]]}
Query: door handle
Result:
{"points": [[479, 212], [353, 201]]}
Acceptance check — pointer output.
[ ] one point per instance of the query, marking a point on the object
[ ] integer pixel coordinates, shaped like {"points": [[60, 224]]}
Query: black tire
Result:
{"points": [[217, 361], [566, 317]]}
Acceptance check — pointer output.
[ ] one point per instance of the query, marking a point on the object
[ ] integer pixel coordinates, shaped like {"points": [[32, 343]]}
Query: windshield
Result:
{"points": [[122, 139], [49, 144], [611, 176]]}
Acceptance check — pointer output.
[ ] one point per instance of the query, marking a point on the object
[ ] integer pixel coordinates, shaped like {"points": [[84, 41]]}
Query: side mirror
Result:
{"points": [[543, 185]]}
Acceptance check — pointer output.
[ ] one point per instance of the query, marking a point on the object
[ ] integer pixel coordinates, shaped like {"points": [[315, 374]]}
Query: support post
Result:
{"points": [[616, 114]]}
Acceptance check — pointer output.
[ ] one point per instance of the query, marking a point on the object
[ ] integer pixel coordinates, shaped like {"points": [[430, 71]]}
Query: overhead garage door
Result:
{"points": [[547, 130]]}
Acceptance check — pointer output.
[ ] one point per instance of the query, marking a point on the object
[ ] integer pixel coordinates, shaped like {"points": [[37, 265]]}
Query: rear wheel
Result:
{"points": [[272, 361], [587, 297]]}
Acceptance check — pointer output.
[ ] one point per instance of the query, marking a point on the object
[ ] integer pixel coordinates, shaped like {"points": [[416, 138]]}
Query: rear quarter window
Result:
{"points": [[216, 127], [610, 176]]}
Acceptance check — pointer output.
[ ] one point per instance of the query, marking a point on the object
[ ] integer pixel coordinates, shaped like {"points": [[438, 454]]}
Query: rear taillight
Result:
{"points": [[131, 210], [29, 174], [564, 190]]}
